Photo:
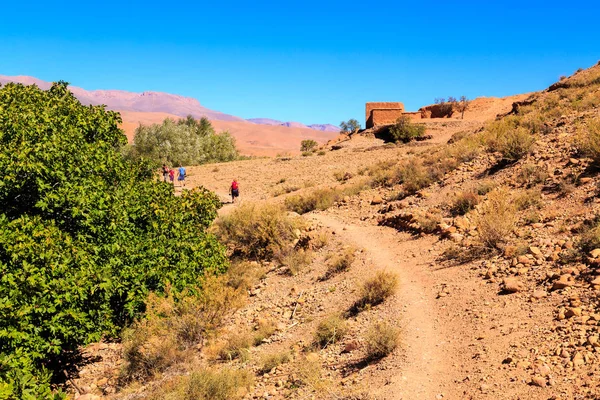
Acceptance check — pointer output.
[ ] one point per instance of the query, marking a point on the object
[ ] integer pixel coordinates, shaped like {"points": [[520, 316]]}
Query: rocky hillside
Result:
{"points": [[490, 228]]}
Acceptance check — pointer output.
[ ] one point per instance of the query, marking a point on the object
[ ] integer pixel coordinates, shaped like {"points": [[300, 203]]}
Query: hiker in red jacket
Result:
{"points": [[234, 190]]}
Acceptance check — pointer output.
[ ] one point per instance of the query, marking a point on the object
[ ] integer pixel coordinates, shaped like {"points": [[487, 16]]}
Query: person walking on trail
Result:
{"points": [[235, 190], [172, 175], [165, 172], [181, 175]]}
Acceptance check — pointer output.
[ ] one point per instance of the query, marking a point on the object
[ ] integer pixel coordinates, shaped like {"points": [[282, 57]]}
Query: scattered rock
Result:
{"points": [[538, 381], [512, 285]]}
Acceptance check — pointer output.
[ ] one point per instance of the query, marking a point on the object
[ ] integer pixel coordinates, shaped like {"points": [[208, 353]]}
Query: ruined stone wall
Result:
{"points": [[385, 117], [385, 110]]}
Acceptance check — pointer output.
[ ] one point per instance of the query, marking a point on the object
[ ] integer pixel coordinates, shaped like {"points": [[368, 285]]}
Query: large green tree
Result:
{"points": [[184, 142], [85, 234]]}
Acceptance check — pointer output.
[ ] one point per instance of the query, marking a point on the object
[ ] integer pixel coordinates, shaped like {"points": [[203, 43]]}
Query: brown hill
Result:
{"points": [[251, 139]]}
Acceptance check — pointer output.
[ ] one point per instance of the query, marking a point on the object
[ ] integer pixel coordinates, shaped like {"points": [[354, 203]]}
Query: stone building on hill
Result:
{"points": [[386, 113]]}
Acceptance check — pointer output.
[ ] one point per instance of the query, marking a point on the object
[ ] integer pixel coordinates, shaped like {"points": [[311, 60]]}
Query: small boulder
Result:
{"points": [[538, 381], [512, 285], [376, 200]]}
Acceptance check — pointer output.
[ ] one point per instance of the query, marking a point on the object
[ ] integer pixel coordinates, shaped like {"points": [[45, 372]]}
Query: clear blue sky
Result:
{"points": [[309, 61]]}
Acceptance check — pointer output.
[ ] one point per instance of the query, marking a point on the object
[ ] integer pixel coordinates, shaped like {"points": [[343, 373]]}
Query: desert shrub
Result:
{"points": [[588, 139], [341, 262], [381, 340], [405, 131], [464, 202], [330, 330], [496, 219], [321, 152], [296, 260], [175, 323], [322, 199], [531, 174], [429, 221], [243, 275], [308, 145], [310, 374], [263, 330], [285, 190], [342, 176], [508, 138], [270, 361], [526, 199], [484, 187], [237, 345], [258, 231], [320, 240], [184, 142], [206, 384], [85, 234], [375, 290]]}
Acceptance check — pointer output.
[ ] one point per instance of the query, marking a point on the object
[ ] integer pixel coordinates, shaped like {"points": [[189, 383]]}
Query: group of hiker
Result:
{"points": [[169, 176]]}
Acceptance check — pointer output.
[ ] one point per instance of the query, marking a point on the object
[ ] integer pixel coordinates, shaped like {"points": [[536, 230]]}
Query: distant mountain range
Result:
{"points": [[157, 102], [318, 127], [262, 136]]}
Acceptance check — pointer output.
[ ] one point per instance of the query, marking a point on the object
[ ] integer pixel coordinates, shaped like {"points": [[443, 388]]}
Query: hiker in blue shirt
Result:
{"points": [[181, 175]]}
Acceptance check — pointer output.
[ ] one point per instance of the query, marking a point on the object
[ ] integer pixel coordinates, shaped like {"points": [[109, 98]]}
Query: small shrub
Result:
{"points": [[590, 236], [270, 361], [405, 131], [508, 138], [310, 374], [485, 187], [429, 221], [464, 202], [496, 219], [308, 146], [321, 152], [322, 199], [588, 140], [528, 199], [264, 329], [320, 240], [531, 175], [307, 153], [236, 346], [223, 384], [296, 260], [375, 290], [330, 330], [175, 323], [381, 340], [342, 176], [258, 231], [341, 262], [243, 275]]}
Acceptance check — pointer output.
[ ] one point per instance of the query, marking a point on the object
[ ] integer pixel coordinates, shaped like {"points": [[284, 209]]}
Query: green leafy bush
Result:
{"points": [[405, 131], [85, 234], [184, 142]]}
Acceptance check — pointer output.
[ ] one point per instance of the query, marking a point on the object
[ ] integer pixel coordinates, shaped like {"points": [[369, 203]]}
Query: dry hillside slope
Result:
{"points": [[490, 229]]}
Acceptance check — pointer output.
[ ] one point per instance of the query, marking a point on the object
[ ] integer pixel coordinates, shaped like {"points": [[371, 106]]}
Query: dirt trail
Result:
{"points": [[425, 373]]}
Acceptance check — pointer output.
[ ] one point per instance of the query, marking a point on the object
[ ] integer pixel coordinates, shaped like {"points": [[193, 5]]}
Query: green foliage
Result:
{"points": [[184, 142], [85, 234], [308, 145], [405, 131], [350, 126]]}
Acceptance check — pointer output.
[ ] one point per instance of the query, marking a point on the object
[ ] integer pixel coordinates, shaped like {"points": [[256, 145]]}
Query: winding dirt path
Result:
{"points": [[425, 373]]}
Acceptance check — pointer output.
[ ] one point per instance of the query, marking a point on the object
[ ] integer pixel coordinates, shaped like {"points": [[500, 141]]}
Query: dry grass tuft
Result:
{"points": [[381, 340], [236, 346], [588, 139], [175, 323], [496, 219], [273, 360], [322, 199], [296, 260], [341, 262], [264, 329], [507, 137], [258, 231], [374, 291], [464, 202], [330, 330], [205, 384]]}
